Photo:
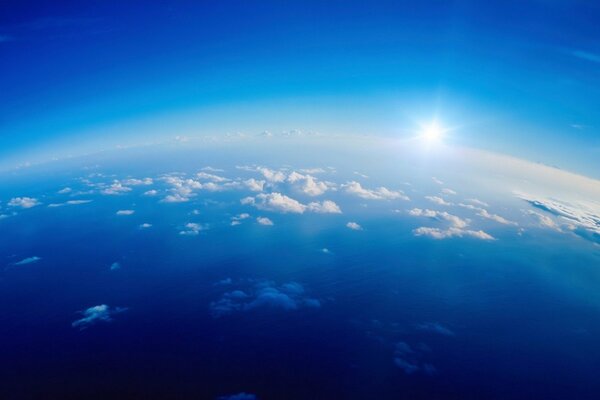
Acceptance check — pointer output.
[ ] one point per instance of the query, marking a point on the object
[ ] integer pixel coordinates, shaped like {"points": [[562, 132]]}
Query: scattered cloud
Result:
{"points": [[150, 193], [191, 229], [138, 182], [69, 203], [308, 184], [28, 260], [354, 226], [448, 191], [116, 188], [437, 233], [264, 221], [65, 190], [125, 212], [381, 193], [455, 221], [24, 202], [255, 185], [145, 225], [275, 202], [438, 200], [272, 175], [494, 217], [237, 220], [263, 295], [96, 314], [325, 207]]}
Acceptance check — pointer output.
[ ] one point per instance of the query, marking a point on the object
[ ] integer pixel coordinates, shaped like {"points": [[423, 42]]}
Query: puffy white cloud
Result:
{"points": [[438, 200], [272, 175], [191, 229], [28, 260], [263, 295], [325, 207], [96, 314], [254, 185], [275, 202], [457, 222], [264, 221], [125, 212], [494, 217], [151, 193], [237, 220], [24, 202], [115, 188], [175, 198], [437, 233], [381, 193], [354, 226], [308, 184], [138, 182]]}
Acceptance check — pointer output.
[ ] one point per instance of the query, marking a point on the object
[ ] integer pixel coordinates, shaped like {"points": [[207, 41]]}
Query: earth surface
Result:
{"points": [[299, 267]]}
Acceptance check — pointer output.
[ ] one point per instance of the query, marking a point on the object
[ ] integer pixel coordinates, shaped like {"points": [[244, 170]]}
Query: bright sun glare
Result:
{"points": [[432, 132]]}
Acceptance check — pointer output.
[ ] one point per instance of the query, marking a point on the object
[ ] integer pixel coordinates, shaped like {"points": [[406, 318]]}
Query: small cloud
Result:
{"points": [[23, 202], [145, 225], [380, 193], [263, 295], [237, 220], [65, 190], [151, 193], [436, 180], [255, 185], [438, 200], [325, 250], [326, 207], [275, 202], [28, 260], [439, 234], [125, 212], [264, 221], [448, 191], [354, 226], [191, 229], [115, 266], [69, 203], [138, 182], [96, 314], [116, 188]]}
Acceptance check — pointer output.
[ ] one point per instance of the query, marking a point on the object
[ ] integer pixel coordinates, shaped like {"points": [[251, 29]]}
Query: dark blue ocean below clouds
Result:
{"points": [[180, 301]]}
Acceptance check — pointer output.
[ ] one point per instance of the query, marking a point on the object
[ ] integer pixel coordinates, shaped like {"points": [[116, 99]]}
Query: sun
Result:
{"points": [[432, 132]]}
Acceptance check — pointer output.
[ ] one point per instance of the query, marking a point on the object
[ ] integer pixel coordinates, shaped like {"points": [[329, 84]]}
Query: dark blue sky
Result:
{"points": [[518, 77]]}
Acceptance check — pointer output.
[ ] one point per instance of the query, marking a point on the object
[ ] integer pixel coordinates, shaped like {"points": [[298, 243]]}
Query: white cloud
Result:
{"points": [[264, 221], [65, 190], [448, 191], [151, 193], [437, 233], [381, 193], [69, 203], [211, 177], [354, 226], [191, 229], [125, 212], [478, 202], [494, 217], [96, 314], [438, 200], [138, 182], [436, 180], [175, 198], [24, 202], [28, 260], [145, 225], [254, 185], [326, 207], [455, 221], [237, 220], [263, 295], [115, 188], [308, 184], [272, 175], [275, 202]]}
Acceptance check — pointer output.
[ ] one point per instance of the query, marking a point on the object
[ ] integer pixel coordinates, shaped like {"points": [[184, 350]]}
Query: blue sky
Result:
{"points": [[516, 77]]}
